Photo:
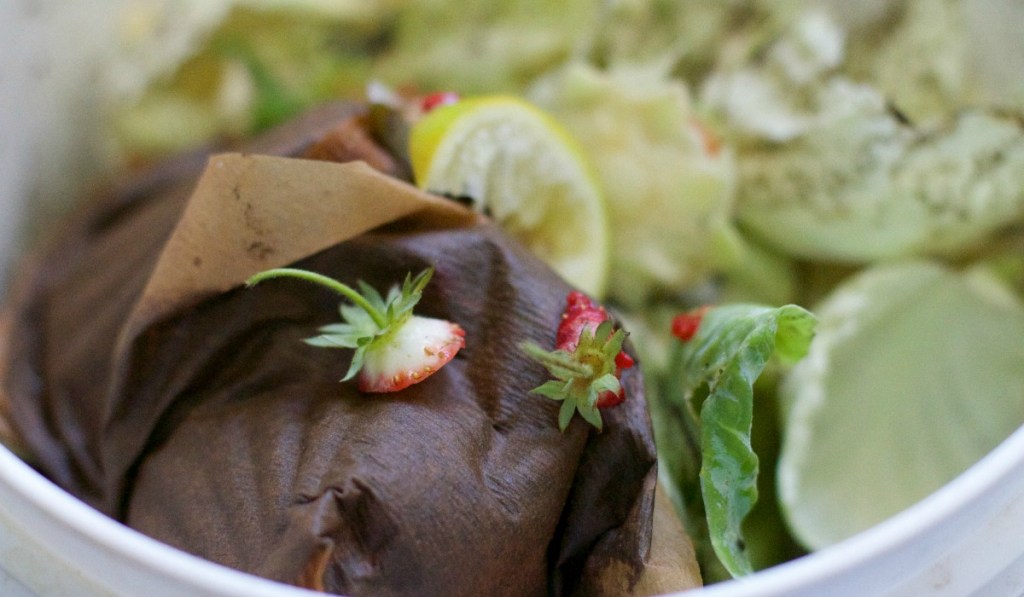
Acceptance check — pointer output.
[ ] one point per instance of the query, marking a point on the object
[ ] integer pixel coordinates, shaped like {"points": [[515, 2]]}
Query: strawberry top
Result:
{"points": [[587, 362], [393, 348]]}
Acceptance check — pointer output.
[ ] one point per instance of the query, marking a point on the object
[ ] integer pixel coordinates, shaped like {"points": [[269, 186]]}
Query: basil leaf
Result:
{"points": [[718, 368]]}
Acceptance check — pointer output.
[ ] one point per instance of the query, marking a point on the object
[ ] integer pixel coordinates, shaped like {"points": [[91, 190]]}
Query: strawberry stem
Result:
{"points": [[344, 290], [561, 360]]}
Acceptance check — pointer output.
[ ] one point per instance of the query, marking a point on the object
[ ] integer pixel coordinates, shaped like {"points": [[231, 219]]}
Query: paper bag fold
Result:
{"points": [[250, 213]]}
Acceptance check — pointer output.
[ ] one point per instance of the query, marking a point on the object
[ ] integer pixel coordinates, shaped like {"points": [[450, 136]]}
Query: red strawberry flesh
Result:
{"points": [[414, 352], [685, 325], [582, 314]]}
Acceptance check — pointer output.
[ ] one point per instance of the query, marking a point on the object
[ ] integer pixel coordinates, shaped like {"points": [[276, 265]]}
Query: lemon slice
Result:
{"points": [[516, 164]]}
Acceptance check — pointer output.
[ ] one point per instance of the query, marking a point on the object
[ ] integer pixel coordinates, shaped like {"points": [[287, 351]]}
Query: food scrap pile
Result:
{"points": [[807, 214]]}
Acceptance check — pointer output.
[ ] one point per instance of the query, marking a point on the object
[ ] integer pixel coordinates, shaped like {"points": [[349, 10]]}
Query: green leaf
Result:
{"points": [[371, 295], [591, 415], [614, 344], [559, 363], [720, 364], [357, 362], [795, 331], [355, 316], [416, 286], [274, 101], [607, 383], [337, 328], [333, 341], [603, 331], [556, 390], [565, 414]]}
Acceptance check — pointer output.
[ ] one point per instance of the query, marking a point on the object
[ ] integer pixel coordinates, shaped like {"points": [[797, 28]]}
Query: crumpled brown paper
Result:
{"points": [[250, 213], [134, 417]]}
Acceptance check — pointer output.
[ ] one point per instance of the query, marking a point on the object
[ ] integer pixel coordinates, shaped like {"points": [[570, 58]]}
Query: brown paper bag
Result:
{"points": [[249, 213]]}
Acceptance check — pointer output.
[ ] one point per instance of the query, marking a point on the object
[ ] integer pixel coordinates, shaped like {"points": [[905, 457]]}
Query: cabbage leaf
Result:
{"points": [[915, 375]]}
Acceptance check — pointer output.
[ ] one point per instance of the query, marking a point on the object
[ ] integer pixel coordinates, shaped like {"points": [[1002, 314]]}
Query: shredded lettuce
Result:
{"points": [[828, 170], [485, 46], [259, 65], [667, 180]]}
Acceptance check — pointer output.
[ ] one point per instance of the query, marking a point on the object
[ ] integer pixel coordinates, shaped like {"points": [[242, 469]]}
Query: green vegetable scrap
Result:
{"points": [[393, 348], [830, 167], [485, 46], [255, 67], [664, 172], [713, 373], [914, 376]]}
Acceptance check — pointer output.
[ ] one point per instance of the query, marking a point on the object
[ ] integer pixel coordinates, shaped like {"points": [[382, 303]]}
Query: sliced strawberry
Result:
{"points": [[393, 348], [580, 313], [410, 354], [587, 362]]}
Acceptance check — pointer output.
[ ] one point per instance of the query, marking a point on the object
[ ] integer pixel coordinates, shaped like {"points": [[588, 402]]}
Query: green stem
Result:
{"points": [[557, 359], [330, 283]]}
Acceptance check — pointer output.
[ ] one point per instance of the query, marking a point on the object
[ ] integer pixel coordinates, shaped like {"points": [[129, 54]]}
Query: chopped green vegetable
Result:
{"points": [[272, 101]]}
